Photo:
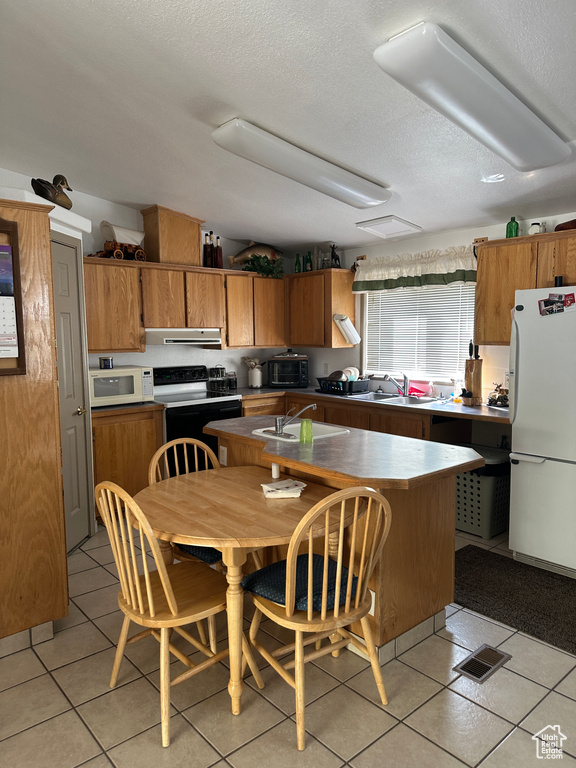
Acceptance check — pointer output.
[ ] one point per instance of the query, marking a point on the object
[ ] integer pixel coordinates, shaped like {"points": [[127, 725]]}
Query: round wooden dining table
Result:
{"points": [[226, 508]]}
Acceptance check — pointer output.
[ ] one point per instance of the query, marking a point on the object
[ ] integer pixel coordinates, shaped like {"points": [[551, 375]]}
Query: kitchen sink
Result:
{"points": [[375, 396], [292, 432], [390, 397]]}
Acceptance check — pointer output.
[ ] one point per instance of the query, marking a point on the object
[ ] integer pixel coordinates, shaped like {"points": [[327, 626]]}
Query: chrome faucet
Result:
{"points": [[404, 387], [283, 421]]}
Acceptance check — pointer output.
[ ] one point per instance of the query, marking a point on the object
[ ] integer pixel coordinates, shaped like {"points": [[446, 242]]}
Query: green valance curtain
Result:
{"points": [[454, 265]]}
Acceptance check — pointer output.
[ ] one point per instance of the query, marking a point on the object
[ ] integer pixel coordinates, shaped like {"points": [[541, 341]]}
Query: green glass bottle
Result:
{"points": [[512, 228], [308, 262], [297, 265]]}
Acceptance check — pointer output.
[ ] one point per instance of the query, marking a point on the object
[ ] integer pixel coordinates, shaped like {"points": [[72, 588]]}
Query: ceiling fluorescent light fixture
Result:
{"points": [[252, 143], [389, 226], [427, 62]]}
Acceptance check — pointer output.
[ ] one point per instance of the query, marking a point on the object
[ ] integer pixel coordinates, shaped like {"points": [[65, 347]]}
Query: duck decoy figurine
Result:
{"points": [[53, 191]]}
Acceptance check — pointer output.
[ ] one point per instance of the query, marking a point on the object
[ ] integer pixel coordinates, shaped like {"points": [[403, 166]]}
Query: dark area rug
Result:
{"points": [[534, 601]]}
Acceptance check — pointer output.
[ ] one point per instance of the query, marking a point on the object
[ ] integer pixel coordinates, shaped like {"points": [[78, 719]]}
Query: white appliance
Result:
{"points": [[543, 418], [120, 385]]}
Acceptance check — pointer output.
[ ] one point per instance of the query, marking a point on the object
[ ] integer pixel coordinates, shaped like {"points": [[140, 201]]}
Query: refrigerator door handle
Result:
{"points": [[516, 458], [513, 368]]}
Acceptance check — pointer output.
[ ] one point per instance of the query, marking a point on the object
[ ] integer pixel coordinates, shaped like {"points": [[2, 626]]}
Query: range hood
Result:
{"points": [[176, 336]]}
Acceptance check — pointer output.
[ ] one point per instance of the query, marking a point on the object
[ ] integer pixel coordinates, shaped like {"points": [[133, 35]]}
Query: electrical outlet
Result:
{"points": [[326, 371], [223, 456], [506, 379]]}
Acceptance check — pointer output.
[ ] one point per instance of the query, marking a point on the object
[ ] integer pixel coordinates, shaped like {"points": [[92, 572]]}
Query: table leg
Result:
{"points": [[166, 551], [234, 559]]}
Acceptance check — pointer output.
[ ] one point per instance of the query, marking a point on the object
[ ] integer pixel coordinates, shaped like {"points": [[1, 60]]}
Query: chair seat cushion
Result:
{"points": [[270, 582], [206, 554]]}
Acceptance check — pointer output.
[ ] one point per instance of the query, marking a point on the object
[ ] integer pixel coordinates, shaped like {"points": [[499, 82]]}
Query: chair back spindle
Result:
{"points": [[180, 457], [341, 540], [132, 541]]}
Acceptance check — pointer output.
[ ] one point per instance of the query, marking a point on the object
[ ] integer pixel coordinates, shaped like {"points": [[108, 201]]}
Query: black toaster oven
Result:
{"points": [[288, 370]]}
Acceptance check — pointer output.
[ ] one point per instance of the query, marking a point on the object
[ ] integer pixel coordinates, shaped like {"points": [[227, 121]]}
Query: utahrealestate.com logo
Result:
{"points": [[549, 743]]}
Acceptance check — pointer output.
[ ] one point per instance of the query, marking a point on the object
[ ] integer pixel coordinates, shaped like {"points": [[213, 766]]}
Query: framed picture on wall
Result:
{"points": [[12, 351]]}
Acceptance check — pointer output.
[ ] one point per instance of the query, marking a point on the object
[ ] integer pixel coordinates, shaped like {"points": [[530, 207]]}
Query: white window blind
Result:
{"points": [[423, 332]]}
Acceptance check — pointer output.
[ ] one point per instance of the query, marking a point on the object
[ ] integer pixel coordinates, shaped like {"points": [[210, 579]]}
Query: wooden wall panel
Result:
{"points": [[33, 577]]}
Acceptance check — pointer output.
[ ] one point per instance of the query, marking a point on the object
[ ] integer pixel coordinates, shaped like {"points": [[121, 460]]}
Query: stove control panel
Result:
{"points": [[180, 375]]}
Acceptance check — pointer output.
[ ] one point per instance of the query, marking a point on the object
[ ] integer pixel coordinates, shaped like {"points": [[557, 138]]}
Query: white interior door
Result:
{"points": [[74, 400]]}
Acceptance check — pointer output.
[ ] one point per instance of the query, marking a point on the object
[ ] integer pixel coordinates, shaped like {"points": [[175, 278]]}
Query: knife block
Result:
{"points": [[473, 381]]}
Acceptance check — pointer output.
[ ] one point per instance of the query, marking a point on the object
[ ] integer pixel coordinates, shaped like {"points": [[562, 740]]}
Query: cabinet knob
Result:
{"points": [[81, 411]]}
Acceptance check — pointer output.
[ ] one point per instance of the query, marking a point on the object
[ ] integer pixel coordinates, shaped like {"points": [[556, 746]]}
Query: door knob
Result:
{"points": [[81, 411]]}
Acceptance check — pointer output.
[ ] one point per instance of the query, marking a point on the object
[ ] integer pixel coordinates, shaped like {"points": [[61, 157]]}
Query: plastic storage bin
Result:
{"points": [[483, 495]]}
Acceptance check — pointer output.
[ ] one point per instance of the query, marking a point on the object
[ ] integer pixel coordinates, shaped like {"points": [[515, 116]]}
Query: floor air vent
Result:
{"points": [[482, 663]]}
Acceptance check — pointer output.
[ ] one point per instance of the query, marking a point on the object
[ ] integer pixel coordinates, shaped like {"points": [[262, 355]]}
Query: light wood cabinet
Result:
{"points": [[347, 416], [306, 310], [263, 405], [124, 441], [269, 313], [113, 308], [163, 298], [205, 300], [171, 237], [255, 313], [297, 402], [240, 311], [404, 424], [505, 266], [33, 577], [313, 299], [556, 256]]}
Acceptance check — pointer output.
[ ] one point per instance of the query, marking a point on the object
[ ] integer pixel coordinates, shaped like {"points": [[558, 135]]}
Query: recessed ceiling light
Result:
{"points": [[389, 226], [493, 179]]}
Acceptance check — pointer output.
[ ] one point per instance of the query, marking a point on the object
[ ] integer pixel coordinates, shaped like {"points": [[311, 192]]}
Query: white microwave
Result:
{"points": [[121, 385]]}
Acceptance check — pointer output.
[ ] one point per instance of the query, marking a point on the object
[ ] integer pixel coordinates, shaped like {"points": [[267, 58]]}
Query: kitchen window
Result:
{"points": [[422, 331]]}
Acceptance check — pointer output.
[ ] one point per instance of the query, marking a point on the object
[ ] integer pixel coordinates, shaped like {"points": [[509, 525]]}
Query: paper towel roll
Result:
{"points": [[121, 234]]}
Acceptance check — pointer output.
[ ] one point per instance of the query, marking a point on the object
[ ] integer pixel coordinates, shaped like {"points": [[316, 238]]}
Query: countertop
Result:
{"points": [[369, 458], [455, 410]]}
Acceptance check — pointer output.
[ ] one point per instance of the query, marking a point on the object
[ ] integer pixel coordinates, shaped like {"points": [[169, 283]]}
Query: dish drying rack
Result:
{"points": [[343, 387]]}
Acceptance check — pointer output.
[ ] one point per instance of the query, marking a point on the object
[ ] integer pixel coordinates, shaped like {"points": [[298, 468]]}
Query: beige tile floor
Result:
{"points": [[57, 710]]}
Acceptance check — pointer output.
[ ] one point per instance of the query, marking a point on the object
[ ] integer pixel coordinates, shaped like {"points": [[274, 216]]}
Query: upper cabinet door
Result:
{"points": [[113, 308], [269, 313], [205, 300], [163, 298], [306, 309], [557, 257], [502, 270], [240, 310]]}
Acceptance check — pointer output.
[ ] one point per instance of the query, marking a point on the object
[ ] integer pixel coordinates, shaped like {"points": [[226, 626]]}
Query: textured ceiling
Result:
{"points": [[122, 96]]}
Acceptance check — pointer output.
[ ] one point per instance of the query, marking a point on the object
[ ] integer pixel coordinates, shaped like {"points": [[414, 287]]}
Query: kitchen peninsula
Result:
{"points": [[415, 577]]}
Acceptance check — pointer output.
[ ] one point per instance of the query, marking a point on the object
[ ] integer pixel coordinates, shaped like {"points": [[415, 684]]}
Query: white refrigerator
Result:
{"points": [[543, 418]]}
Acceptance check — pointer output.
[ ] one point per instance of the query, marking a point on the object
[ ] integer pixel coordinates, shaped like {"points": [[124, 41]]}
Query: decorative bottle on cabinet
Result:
{"points": [[297, 265], [218, 254], [212, 250], [206, 252], [512, 228], [308, 262]]}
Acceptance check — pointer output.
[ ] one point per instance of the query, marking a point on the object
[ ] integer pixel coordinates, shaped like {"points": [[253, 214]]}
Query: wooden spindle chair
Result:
{"points": [[179, 457], [322, 586], [162, 600]]}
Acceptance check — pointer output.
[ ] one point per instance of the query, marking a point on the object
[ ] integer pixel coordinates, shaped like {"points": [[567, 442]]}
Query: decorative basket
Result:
{"points": [[343, 387]]}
